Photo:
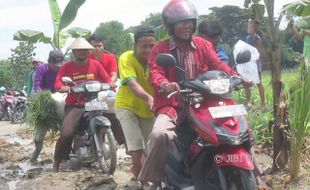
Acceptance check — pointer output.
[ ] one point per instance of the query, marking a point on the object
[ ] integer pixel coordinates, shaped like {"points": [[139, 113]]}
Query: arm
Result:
{"points": [[140, 92], [103, 75], [113, 76], [296, 33], [113, 68], [38, 77], [158, 74], [306, 32], [59, 85]]}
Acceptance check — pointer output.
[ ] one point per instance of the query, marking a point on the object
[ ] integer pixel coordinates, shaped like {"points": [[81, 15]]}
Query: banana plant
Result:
{"points": [[60, 22], [274, 44], [298, 8]]}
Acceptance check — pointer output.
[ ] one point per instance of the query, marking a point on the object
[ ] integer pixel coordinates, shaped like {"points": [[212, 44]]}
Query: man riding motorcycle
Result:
{"points": [[194, 56], [81, 69]]}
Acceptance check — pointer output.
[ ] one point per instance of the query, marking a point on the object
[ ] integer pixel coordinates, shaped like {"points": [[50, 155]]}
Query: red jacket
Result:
{"points": [[205, 58]]}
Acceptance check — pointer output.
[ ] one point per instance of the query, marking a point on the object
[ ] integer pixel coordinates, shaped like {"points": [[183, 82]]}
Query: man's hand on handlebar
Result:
{"points": [[64, 89], [169, 87], [113, 85]]}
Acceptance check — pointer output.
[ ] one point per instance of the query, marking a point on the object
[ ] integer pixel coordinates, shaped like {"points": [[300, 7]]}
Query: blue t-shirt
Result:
{"points": [[222, 55]]}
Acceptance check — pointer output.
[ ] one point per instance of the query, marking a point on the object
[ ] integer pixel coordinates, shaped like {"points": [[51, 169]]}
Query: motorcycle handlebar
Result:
{"points": [[180, 91]]}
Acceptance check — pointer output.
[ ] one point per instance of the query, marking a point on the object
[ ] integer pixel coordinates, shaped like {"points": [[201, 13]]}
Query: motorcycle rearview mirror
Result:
{"points": [[67, 80], [167, 60]]}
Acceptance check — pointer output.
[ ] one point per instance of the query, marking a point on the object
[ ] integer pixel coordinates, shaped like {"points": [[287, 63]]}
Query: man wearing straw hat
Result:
{"points": [[80, 69]]}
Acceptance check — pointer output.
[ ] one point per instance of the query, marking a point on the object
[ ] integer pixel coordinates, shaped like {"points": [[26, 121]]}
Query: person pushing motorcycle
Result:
{"points": [[195, 56], [80, 69]]}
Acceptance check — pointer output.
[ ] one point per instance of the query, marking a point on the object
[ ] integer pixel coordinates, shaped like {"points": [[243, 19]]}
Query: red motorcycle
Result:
{"points": [[212, 148]]}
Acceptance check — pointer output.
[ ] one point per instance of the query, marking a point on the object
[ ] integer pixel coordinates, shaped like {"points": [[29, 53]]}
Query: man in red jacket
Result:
{"points": [[196, 56], [80, 69]]}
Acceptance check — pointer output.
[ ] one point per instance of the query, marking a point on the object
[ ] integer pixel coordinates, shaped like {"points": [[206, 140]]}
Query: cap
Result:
{"points": [[56, 57]]}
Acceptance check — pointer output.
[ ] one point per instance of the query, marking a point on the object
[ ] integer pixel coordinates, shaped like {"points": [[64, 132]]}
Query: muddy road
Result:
{"points": [[16, 173], [16, 146]]}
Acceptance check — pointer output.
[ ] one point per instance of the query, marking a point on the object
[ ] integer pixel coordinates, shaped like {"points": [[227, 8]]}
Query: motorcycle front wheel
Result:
{"points": [[240, 179], [232, 178], [19, 114], [107, 161], [1, 112]]}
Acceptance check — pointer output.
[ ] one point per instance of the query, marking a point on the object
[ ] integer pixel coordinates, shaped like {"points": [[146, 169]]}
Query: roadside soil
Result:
{"points": [[16, 173]]}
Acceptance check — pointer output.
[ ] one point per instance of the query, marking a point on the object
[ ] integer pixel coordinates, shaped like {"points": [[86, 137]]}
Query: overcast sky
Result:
{"points": [[35, 14]]}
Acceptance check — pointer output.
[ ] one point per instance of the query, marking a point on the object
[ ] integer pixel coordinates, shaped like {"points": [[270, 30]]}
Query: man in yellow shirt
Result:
{"points": [[134, 99]]}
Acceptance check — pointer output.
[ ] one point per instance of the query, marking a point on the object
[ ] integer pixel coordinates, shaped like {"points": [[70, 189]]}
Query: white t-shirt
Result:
{"points": [[248, 70]]}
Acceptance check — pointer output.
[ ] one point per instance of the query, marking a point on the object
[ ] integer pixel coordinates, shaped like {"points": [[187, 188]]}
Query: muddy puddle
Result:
{"points": [[17, 173]]}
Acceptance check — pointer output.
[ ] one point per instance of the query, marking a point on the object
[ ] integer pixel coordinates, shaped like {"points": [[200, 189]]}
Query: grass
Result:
{"points": [[259, 120]]}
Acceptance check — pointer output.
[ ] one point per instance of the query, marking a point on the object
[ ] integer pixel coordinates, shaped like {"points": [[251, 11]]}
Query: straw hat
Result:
{"points": [[80, 43]]}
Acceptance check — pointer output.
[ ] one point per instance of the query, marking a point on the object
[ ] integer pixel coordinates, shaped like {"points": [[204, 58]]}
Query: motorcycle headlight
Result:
{"points": [[218, 86], [93, 87]]}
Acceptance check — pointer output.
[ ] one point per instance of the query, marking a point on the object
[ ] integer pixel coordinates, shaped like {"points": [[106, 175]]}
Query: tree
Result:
{"points": [[233, 19], [270, 29], [7, 78], [60, 22], [21, 62], [113, 34], [153, 20]]}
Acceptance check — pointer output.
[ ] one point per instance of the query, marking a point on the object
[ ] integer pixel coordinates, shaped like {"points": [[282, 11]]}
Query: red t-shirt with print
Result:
{"points": [[92, 70]]}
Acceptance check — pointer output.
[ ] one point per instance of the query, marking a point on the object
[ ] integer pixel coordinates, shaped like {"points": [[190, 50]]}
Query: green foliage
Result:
{"points": [[70, 13], [31, 36], [288, 57], [298, 8], [259, 120], [233, 20], [299, 113], [21, 62], [154, 20], [42, 112], [60, 21], [113, 34], [6, 74]]}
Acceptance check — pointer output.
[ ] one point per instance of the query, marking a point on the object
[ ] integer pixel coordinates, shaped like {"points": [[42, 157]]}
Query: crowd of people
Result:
{"points": [[145, 120]]}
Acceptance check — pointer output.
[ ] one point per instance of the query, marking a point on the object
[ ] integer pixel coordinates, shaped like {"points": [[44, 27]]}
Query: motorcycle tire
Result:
{"points": [[1, 114], [234, 179], [240, 179], [19, 114], [108, 163]]}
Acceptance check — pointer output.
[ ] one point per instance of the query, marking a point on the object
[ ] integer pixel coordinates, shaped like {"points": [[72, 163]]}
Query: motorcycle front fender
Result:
{"points": [[238, 157], [99, 121]]}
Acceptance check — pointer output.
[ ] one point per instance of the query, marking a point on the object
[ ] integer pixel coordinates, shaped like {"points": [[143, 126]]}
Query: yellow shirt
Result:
{"points": [[130, 69]]}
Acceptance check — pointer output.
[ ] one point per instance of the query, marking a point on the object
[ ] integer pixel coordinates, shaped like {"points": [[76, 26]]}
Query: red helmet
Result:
{"points": [[179, 10]]}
